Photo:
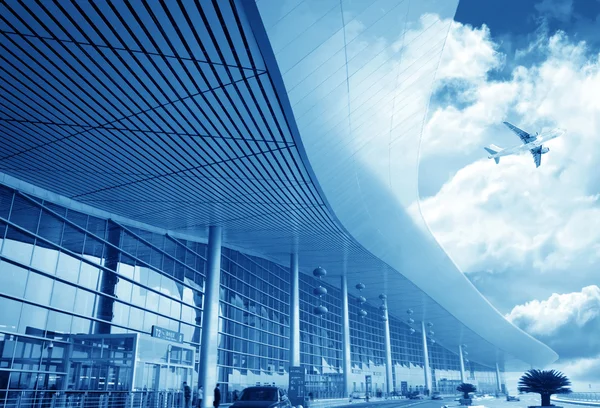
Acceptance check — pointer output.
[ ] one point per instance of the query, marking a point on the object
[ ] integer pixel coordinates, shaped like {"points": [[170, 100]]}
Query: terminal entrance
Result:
{"points": [[109, 363]]}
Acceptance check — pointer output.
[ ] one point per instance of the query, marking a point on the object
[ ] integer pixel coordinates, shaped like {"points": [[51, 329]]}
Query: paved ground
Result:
{"points": [[526, 400]]}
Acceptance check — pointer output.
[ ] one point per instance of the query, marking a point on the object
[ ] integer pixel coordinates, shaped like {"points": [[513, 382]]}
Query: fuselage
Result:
{"points": [[540, 139]]}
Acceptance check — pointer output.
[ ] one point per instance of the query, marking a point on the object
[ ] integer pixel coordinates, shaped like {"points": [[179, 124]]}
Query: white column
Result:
{"points": [[498, 381], [346, 358], [388, 351], [294, 311], [462, 364], [426, 358], [207, 376]]}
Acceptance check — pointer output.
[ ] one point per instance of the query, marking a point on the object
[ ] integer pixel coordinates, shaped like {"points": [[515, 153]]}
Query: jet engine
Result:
{"points": [[545, 150]]}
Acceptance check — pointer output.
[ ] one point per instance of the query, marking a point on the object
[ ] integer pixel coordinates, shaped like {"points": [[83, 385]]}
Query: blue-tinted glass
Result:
{"points": [[18, 246], [50, 228], [12, 279], [84, 302], [89, 275], [78, 218], [33, 319], [59, 322], [25, 214], [73, 239], [68, 267], [6, 197], [63, 296], [44, 259], [39, 289], [11, 311]]}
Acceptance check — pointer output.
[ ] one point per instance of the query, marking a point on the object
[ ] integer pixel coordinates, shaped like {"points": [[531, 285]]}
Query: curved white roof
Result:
{"points": [[359, 86]]}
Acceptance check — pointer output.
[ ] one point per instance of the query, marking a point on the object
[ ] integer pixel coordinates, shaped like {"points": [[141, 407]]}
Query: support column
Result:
{"points": [[388, 351], [426, 358], [462, 364], [498, 381], [346, 359], [108, 284], [208, 372], [294, 312]]}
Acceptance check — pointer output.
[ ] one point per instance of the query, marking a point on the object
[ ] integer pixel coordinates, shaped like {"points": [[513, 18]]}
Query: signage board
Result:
{"points": [[296, 386], [166, 334]]}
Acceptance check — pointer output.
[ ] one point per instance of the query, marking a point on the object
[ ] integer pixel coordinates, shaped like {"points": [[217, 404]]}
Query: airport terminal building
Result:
{"points": [[221, 192]]}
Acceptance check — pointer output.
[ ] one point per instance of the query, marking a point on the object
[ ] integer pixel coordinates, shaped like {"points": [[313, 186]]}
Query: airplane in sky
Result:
{"points": [[531, 143]]}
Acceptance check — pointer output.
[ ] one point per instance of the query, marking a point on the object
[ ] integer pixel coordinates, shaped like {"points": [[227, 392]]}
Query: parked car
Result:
{"points": [[262, 397], [512, 398], [436, 396], [416, 397]]}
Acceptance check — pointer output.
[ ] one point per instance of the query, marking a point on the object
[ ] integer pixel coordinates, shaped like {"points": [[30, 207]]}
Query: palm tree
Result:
{"points": [[466, 388], [545, 383]]}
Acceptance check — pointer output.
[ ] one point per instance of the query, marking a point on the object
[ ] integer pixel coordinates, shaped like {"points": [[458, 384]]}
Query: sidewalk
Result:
{"points": [[360, 403], [576, 402]]}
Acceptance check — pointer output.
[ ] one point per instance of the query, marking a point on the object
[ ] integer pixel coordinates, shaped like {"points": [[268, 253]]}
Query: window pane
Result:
{"points": [[44, 259], [38, 288], [58, 322], [11, 311], [50, 227], [18, 246], [84, 302], [33, 319], [12, 279], [63, 296], [25, 214], [68, 267]]}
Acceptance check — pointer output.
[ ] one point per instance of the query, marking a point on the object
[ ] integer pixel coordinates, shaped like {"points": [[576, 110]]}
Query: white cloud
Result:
{"points": [[546, 317], [469, 53], [512, 215]]}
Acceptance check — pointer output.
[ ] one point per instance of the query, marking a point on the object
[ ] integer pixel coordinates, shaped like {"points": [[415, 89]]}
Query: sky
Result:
{"points": [[527, 238]]}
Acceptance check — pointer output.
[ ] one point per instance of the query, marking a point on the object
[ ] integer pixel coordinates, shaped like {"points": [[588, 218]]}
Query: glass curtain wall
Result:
{"points": [[254, 323], [407, 357], [367, 347], [65, 274], [321, 339]]}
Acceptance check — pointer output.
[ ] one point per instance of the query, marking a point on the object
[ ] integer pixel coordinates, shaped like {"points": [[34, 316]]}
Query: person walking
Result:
{"points": [[187, 394], [217, 399], [200, 396]]}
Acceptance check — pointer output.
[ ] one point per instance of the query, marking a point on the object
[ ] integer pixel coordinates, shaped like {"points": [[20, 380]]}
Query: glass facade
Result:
{"points": [[81, 298]]}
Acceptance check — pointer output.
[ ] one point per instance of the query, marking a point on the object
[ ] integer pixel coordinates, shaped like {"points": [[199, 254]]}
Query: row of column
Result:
{"points": [[207, 375]]}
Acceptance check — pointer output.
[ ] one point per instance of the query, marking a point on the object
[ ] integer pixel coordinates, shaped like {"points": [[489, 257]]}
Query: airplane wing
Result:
{"points": [[525, 137], [537, 156]]}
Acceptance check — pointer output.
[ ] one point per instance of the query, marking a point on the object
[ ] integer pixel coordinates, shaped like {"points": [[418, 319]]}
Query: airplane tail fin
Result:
{"points": [[492, 150]]}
